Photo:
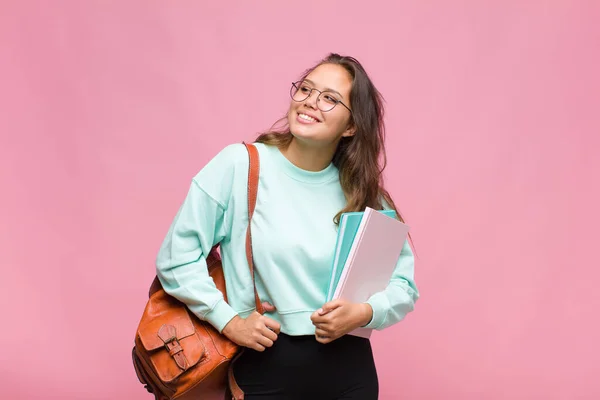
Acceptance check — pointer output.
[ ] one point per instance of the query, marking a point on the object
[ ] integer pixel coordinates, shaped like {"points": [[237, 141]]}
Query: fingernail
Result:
{"points": [[320, 311]]}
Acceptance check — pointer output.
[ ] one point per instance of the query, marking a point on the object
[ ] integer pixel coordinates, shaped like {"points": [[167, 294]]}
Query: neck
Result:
{"points": [[309, 158]]}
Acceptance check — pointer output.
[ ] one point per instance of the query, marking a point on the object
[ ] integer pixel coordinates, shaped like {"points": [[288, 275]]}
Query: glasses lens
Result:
{"points": [[299, 91], [325, 102]]}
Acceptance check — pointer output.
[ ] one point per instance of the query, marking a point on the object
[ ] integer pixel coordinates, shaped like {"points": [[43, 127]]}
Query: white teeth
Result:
{"points": [[307, 118]]}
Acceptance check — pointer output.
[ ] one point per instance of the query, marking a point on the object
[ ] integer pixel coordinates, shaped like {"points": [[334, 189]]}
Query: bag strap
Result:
{"points": [[253, 173]]}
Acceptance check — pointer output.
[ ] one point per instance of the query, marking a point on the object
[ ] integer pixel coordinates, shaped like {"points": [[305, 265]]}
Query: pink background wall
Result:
{"points": [[108, 108]]}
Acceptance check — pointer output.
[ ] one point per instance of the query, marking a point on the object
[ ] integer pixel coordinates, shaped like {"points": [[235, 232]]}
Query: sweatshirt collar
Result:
{"points": [[325, 175]]}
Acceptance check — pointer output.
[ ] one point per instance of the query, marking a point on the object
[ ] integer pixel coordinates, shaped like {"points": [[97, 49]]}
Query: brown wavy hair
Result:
{"points": [[361, 158]]}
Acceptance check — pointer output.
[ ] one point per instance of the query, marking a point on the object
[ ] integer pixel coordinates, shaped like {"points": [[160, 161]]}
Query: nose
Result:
{"points": [[311, 100]]}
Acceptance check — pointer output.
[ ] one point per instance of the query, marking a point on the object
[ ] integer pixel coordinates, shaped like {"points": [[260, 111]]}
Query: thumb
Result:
{"points": [[268, 307]]}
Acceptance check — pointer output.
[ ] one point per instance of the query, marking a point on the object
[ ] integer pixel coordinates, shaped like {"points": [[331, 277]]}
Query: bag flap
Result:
{"points": [[168, 336], [168, 368], [161, 310]]}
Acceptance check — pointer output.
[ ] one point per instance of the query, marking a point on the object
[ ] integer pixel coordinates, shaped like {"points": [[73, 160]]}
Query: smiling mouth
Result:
{"points": [[307, 118]]}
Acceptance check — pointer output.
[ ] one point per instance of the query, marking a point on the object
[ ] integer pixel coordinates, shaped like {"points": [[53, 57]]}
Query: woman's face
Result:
{"points": [[307, 122]]}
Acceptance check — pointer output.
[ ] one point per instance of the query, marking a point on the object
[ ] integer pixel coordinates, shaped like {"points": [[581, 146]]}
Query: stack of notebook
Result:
{"points": [[368, 247]]}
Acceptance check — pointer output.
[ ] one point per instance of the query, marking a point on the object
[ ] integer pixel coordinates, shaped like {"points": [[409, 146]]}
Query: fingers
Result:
{"points": [[326, 318], [256, 331], [330, 306], [322, 336], [325, 336], [327, 330], [266, 334], [257, 347], [272, 324], [265, 342], [316, 318], [269, 334], [326, 311], [322, 332], [263, 339], [324, 326], [268, 307]]}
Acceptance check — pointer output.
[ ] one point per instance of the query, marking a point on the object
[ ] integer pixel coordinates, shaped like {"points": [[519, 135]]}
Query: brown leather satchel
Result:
{"points": [[177, 355]]}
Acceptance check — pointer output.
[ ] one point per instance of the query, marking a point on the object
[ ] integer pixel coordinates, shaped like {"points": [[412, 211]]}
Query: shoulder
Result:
{"points": [[231, 160], [224, 162], [229, 166], [236, 154], [232, 154], [224, 174]]}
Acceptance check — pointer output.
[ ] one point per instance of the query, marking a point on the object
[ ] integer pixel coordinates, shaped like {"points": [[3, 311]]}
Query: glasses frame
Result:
{"points": [[318, 97]]}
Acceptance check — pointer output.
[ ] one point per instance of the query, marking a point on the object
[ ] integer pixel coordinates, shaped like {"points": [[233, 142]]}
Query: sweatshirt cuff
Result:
{"points": [[380, 305], [220, 315]]}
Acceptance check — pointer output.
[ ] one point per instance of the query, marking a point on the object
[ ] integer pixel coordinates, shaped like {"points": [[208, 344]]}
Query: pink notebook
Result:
{"points": [[372, 259]]}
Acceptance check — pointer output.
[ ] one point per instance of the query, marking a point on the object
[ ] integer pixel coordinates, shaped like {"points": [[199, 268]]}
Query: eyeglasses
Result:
{"points": [[326, 101]]}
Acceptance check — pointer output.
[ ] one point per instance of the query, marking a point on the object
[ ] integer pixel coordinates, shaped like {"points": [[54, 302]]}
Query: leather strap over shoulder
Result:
{"points": [[253, 174]]}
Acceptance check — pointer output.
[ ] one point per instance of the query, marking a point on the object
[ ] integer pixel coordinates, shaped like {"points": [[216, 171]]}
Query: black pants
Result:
{"points": [[299, 367]]}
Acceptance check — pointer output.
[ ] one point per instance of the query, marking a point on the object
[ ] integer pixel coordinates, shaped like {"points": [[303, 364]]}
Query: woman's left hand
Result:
{"points": [[339, 317]]}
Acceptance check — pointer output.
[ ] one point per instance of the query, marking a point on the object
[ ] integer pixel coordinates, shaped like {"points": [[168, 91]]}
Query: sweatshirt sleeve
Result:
{"points": [[398, 299], [198, 225]]}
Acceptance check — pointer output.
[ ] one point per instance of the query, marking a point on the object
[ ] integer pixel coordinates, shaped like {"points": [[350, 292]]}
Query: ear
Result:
{"points": [[350, 131]]}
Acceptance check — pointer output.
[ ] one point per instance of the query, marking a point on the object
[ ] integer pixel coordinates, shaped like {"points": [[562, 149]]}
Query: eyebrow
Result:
{"points": [[326, 89]]}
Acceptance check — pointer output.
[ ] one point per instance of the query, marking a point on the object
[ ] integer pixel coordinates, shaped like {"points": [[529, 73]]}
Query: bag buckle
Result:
{"points": [[168, 335]]}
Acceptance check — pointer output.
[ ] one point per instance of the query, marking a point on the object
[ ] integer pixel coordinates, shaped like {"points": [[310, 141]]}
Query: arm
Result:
{"points": [[181, 261], [201, 222]]}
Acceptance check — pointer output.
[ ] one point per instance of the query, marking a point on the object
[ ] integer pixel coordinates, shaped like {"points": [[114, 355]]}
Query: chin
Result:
{"points": [[303, 132]]}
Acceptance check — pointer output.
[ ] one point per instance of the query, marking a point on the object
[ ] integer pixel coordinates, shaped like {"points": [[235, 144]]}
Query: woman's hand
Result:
{"points": [[256, 331], [339, 317]]}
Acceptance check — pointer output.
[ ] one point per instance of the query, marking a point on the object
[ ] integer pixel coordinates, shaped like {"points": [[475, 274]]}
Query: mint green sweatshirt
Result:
{"points": [[293, 237]]}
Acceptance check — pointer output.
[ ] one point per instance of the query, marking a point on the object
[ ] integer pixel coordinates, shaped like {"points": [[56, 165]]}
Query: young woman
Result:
{"points": [[325, 161]]}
